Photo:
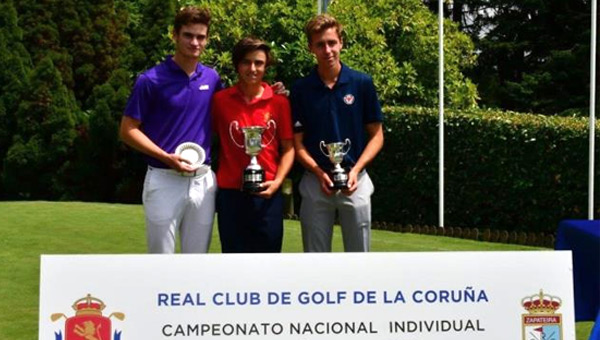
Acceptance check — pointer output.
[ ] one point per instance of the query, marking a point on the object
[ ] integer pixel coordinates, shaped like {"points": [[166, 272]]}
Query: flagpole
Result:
{"points": [[592, 111], [441, 111]]}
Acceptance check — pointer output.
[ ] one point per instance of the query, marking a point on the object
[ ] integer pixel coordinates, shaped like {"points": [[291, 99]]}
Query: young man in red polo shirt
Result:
{"points": [[251, 222]]}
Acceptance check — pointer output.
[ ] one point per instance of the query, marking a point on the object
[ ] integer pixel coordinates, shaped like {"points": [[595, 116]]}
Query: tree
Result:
{"points": [[41, 36], [102, 169], [149, 33], [397, 45], [278, 22], [93, 35], [407, 36], [533, 54], [46, 122], [15, 63]]}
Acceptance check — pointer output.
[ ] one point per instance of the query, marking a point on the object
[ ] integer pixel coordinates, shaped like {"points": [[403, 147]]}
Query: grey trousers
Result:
{"points": [[317, 215]]}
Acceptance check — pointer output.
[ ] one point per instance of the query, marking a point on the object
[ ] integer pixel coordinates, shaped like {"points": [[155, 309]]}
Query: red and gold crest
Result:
{"points": [[88, 322], [542, 322]]}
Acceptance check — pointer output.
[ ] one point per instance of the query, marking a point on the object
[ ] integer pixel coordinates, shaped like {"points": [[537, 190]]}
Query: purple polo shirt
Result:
{"points": [[174, 108]]}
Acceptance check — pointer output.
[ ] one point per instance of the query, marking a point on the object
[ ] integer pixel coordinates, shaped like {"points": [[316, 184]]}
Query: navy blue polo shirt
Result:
{"points": [[174, 108], [332, 115]]}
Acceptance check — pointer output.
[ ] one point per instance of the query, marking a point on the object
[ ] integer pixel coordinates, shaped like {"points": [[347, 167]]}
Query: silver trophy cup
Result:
{"points": [[335, 152], [254, 175]]}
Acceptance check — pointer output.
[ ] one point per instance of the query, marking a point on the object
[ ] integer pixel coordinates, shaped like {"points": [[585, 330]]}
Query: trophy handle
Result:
{"points": [[347, 142], [269, 123], [237, 128], [321, 145]]}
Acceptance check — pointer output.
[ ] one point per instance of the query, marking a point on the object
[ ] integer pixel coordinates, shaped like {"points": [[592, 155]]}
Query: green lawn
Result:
{"points": [[28, 229]]}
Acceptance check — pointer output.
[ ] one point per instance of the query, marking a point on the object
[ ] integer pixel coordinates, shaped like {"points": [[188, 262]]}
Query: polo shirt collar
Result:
{"points": [[343, 77], [173, 67], [267, 93]]}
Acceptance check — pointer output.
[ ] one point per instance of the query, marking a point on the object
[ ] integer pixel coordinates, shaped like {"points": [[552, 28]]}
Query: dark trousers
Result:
{"points": [[248, 223]]}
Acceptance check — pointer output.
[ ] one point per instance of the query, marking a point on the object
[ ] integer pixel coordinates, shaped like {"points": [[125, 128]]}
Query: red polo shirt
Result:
{"points": [[228, 106]]}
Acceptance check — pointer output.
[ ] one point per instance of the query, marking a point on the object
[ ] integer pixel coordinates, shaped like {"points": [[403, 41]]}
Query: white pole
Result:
{"points": [[319, 6], [441, 110], [592, 111]]}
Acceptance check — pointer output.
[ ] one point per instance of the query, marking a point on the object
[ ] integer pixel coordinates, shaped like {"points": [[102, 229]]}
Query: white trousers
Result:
{"points": [[178, 204], [317, 215]]}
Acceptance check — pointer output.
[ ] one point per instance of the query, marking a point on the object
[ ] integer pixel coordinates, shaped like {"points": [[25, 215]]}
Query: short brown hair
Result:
{"points": [[191, 15], [247, 45], [320, 23]]}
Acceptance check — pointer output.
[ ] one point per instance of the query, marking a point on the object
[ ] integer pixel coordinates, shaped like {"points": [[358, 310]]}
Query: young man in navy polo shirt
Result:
{"points": [[334, 103], [170, 105]]}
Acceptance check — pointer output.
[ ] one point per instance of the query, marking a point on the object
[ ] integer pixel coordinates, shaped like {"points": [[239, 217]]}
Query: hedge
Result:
{"points": [[503, 170]]}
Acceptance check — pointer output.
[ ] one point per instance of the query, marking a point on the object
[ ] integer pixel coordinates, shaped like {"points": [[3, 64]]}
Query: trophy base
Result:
{"points": [[340, 185], [340, 180], [251, 187], [253, 178]]}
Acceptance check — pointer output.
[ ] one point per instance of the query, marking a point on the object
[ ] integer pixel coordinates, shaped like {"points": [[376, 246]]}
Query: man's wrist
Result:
{"points": [[163, 156], [277, 182]]}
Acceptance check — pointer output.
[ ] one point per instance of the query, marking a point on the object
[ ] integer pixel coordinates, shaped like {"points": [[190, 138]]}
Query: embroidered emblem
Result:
{"points": [[266, 116], [349, 99], [204, 87]]}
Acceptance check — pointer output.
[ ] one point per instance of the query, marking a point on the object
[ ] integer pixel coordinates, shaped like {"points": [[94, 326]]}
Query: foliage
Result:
{"points": [[150, 35], [14, 57], [502, 169], [396, 45], [534, 54], [41, 36], [92, 34], [277, 22], [87, 39], [103, 169], [46, 122]]}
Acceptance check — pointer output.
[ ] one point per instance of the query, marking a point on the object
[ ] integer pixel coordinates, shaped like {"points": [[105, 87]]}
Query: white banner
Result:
{"points": [[391, 296]]}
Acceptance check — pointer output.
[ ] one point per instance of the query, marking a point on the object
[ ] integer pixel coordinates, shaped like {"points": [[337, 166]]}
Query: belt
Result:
{"points": [[201, 171]]}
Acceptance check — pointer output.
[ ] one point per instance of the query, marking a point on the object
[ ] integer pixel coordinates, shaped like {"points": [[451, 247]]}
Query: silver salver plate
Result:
{"points": [[192, 153]]}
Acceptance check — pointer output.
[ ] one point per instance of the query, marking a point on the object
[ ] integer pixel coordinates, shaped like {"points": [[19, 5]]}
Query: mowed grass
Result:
{"points": [[29, 229]]}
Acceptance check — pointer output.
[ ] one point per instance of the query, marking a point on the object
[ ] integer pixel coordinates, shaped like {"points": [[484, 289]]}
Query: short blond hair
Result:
{"points": [[320, 23]]}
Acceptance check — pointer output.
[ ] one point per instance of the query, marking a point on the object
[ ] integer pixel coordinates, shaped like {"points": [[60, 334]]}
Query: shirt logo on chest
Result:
{"points": [[204, 87], [266, 117], [349, 99]]}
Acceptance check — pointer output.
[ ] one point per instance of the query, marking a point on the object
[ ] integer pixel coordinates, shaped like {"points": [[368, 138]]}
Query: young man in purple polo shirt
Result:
{"points": [[335, 103], [170, 105]]}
